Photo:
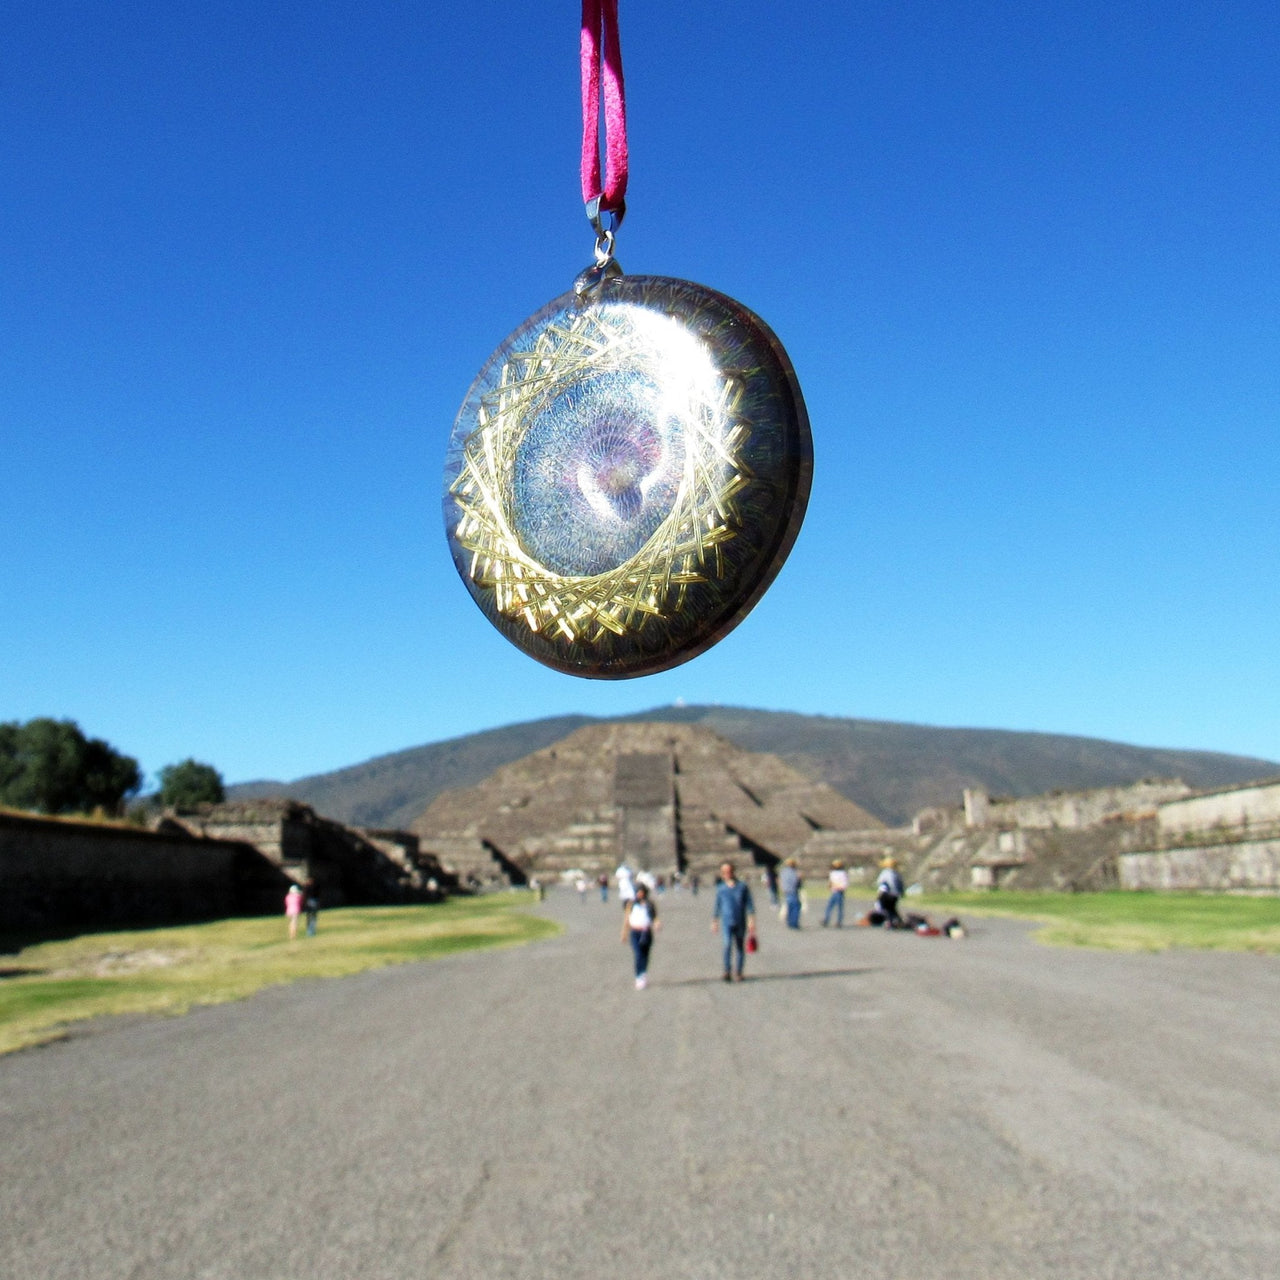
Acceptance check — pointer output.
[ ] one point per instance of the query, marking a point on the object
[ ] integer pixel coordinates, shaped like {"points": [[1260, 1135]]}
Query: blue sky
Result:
{"points": [[1023, 256]]}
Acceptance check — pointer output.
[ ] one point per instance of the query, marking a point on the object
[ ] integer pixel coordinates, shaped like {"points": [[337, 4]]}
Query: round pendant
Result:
{"points": [[626, 476]]}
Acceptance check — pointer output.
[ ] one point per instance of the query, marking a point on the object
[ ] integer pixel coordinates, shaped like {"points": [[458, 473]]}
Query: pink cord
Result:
{"points": [[600, 27]]}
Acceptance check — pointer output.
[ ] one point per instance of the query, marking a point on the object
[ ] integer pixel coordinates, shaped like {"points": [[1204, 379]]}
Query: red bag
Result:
{"points": [[752, 942]]}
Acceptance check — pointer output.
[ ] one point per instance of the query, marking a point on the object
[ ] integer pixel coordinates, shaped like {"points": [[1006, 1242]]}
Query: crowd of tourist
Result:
{"points": [[733, 912]]}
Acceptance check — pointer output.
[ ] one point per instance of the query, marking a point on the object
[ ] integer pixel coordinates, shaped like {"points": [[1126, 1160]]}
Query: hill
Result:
{"points": [[892, 770], [392, 790]]}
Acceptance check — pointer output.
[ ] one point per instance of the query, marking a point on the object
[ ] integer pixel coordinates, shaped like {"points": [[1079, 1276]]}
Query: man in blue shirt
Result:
{"points": [[888, 891], [734, 917]]}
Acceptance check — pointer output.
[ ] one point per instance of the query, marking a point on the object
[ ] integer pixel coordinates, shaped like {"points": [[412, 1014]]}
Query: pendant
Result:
{"points": [[627, 475]]}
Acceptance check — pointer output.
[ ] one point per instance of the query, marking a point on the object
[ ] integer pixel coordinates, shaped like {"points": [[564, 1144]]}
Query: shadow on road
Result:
{"points": [[771, 977]]}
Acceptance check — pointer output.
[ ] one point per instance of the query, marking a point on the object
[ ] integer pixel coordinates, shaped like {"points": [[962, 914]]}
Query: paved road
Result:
{"points": [[868, 1104]]}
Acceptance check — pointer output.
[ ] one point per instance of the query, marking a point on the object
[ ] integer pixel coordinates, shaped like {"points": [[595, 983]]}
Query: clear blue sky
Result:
{"points": [[1024, 257]]}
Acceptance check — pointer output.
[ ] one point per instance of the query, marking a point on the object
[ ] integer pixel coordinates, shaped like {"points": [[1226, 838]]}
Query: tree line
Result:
{"points": [[50, 766]]}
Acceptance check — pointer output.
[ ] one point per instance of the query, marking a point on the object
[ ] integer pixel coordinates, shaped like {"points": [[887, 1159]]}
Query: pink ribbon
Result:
{"points": [[600, 50]]}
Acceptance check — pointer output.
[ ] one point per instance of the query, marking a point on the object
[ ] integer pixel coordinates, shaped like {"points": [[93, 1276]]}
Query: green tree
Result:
{"points": [[185, 785], [51, 767]]}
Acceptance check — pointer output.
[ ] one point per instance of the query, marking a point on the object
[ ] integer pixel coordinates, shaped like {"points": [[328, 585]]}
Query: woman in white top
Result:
{"points": [[639, 922], [838, 882]]}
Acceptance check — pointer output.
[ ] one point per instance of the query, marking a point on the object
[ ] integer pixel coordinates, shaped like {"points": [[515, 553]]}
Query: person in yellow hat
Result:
{"points": [[888, 891]]}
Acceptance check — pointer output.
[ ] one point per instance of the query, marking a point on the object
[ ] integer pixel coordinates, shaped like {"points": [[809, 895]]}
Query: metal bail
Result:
{"points": [[595, 216], [590, 280], [605, 223]]}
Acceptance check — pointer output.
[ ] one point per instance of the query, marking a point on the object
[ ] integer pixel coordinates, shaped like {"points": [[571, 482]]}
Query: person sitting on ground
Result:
{"points": [[888, 891]]}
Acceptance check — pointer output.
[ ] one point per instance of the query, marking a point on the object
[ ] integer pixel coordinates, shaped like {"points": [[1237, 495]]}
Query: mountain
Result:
{"points": [[892, 770], [392, 790]]}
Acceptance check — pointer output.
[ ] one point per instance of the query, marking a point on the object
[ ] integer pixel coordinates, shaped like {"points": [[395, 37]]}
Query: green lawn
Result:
{"points": [[47, 986], [1127, 921]]}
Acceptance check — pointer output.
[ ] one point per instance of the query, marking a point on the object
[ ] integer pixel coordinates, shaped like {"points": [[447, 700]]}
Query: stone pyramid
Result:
{"points": [[659, 796]]}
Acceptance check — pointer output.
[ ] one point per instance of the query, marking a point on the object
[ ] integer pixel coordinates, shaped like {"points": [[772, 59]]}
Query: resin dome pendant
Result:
{"points": [[627, 474]]}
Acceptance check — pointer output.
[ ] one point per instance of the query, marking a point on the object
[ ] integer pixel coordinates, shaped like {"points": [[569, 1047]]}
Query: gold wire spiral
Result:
{"points": [[687, 547]]}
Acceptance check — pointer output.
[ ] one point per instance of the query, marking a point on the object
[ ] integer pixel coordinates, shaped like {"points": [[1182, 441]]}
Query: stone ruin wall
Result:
{"points": [[1154, 835], [65, 873], [564, 810], [220, 861], [1063, 841], [1246, 866], [1073, 810], [1061, 859], [348, 865], [1234, 809], [1227, 840]]}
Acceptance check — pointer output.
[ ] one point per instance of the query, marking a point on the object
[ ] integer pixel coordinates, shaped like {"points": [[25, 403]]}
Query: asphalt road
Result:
{"points": [[867, 1104]]}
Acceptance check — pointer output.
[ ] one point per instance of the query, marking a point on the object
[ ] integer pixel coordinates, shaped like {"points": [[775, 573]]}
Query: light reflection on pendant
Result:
{"points": [[626, 476]]}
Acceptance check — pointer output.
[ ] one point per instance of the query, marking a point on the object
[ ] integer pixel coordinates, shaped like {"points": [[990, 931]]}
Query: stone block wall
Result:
{"points": [[1058, 858], [1246, 865], [1071, 810], [1235, 809], [66, 874], [468, 860], [347, 865], [1222, 840]]}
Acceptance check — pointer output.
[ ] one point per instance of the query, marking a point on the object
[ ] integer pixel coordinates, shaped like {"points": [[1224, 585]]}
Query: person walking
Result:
{"points": [[888, 891], [639, 923], [293, 909], [838, 882], [791, 884], [311, 903], [626, 884], [734, 917]]}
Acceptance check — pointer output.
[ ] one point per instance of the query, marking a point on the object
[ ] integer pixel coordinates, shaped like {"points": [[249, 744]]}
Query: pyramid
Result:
{"points": [[660, 796]]}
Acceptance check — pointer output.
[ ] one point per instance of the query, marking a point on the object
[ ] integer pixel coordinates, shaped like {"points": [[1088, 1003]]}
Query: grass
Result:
{"points": [[46, 987], [1128, 921]]}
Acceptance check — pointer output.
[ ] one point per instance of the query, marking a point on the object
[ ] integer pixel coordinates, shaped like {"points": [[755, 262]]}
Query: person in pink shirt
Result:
{"points": [[293, 909]]}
